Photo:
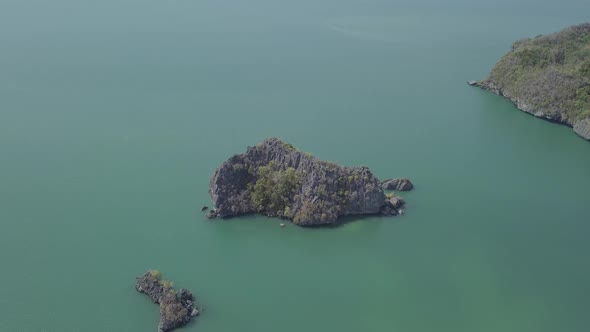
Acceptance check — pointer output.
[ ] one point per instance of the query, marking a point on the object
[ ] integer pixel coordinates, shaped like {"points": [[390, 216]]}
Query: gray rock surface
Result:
{"points": [[401, 184], [582, 128], [388, 210], [395, 202], [275, 179], [176, 309]]}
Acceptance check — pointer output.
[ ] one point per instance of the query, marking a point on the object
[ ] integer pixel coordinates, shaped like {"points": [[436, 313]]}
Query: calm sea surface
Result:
{"points": [[114, 115]]}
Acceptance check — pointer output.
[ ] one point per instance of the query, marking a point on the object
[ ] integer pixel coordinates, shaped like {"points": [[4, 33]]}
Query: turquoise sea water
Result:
{"points": [[114, 115]]}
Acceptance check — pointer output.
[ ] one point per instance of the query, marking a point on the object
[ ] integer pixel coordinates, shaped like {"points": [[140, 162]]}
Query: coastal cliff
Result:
{"points": [[275, 179], [548, 77]]}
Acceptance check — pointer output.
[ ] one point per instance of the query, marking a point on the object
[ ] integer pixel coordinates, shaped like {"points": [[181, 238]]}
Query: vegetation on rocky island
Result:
{"points": [[548, 76], [274, 189], [176, 308], [276, 179]]}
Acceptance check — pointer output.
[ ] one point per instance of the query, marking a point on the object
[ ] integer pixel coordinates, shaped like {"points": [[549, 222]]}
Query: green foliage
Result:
{"points": [[550, 74], [156, 274], [166, 283], [585, 69], [274, 189], [534, 57]]}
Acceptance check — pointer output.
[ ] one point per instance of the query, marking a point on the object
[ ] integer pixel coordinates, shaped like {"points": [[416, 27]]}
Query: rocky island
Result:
{"points": [[176, 308], [275, 179], [548, 77]]}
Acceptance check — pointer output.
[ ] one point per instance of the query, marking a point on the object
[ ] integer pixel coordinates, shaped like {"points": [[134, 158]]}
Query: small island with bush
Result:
{"points": [[275, 179], [548, 77], [176, 308]]}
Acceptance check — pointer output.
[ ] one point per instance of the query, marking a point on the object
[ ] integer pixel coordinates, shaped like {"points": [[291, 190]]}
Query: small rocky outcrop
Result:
{"points": [[275, 179], [401, 184], [392, 206], [548, 77], [176, 308], [395, 202], [212, 214]]}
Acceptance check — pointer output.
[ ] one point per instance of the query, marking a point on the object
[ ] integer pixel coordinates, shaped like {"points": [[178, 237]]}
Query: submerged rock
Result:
{"points": [[277, 180], [176, 309], [401, 184], [204, 208]]}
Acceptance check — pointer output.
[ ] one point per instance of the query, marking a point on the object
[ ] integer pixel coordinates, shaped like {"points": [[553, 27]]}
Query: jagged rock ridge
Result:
{"points": [[275, 179]]}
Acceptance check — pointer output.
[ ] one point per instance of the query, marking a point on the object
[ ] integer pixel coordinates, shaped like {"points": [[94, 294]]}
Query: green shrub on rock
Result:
{"points": [[155, 274], [167, 283], [274, 189]]}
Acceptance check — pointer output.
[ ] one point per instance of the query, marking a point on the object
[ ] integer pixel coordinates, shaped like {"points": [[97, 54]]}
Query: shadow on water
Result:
{"points": [[355, 218], [254, 217]]}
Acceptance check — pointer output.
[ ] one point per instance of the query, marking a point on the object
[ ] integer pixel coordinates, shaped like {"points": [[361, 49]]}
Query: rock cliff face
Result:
{"points": [[277, 180], [176, 309], [548, 77]]}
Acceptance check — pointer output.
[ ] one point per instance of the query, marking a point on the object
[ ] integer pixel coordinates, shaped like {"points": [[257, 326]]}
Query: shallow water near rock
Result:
{"points": [[114, 115]]}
